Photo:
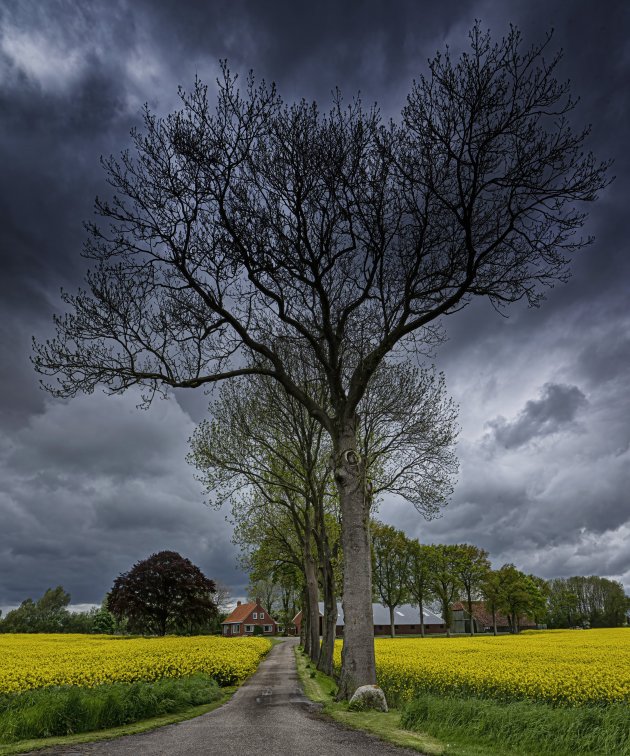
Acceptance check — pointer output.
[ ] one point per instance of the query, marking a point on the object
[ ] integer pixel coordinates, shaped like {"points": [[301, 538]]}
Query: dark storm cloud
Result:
{"points": [[556, 408], [91, 485]]}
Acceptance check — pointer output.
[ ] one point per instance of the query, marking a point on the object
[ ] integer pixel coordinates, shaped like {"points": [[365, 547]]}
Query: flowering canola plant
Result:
{"points": [[565, 667], [42, 660]]}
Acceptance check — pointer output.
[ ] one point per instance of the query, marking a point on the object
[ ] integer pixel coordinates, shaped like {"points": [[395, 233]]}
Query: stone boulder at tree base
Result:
{"points": [[368, 697]]}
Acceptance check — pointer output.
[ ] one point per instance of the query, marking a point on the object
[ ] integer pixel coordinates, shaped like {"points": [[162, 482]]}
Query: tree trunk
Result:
{"points": [[470, 613], [357, 661], [421, 617], [329, 625], [446, 614], [392, 621], [325, 663], [494, 621], [312, 592], [305, 629]]}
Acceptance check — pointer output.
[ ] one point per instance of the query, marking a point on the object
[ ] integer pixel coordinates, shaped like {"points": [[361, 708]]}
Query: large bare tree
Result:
{"points": [[236, 228]]}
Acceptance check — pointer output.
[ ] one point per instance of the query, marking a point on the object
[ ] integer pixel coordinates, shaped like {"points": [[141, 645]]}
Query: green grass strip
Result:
{"points": [[322, 689], [522, 727], [469, 726], [68, 710]]}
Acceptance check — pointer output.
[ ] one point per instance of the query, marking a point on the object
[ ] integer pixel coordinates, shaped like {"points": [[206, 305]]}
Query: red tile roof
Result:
{"points": [[241, 612]]}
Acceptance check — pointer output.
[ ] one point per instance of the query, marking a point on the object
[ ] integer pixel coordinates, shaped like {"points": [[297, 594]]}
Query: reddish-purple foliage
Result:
{"points": [[164, 592]]}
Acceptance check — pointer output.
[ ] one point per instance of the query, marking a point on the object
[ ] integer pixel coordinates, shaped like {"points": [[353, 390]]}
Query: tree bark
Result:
{"points": [[421, 617], [312, 593], [494, 622], [470, 613], [325, 663], [329, 625], [446, 613], [305, 632], [358, 666], [392, 622]]}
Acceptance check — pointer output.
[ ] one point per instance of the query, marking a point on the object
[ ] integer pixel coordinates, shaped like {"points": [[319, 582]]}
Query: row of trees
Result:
{"points": [[406, 571], [258, 238], [267, 456]]}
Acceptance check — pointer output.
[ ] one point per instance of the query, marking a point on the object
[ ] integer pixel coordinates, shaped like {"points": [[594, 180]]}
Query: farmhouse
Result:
{"points": [[482, 619], [246, 617], [406, 618]]}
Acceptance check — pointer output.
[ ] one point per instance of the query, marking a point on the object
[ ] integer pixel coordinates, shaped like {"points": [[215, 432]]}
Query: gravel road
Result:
{"points": [[267, 715]]}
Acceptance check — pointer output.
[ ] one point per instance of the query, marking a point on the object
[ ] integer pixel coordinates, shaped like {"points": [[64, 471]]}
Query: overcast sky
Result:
{"points": [[90, 486]]}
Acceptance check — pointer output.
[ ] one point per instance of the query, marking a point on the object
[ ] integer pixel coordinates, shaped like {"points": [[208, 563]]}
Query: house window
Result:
{"points": [[268, 628], [262, 615], [254, 616], [235, 629], [249, 628]]}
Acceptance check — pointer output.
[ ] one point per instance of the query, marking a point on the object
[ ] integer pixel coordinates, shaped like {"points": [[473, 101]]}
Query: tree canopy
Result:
{"points": [[164, 591], [241, 230]]}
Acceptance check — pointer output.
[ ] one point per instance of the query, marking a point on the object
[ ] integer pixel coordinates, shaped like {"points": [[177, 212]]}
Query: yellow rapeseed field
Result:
{"points": [[35, 661], [557, 666]]}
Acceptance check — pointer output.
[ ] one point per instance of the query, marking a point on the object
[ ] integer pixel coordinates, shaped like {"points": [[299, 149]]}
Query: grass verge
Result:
{"points": [[321, 689], [116, 732], [38, 718], [460, 726], [523, 727]]}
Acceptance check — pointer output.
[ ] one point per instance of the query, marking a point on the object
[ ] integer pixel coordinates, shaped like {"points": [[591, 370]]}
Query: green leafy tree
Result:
{"points": [[445, 583], [49, 614], [562, 605], [472, 567], [521, 596], [104, 621], [419, 577], [587, 602], [491, 588], [239, 229], [163, 592], [390, 565]]}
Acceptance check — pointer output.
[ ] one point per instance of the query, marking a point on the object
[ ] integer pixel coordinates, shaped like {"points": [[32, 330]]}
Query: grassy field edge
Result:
{"points": [[134, 728], [468, 726], [321, 689]]}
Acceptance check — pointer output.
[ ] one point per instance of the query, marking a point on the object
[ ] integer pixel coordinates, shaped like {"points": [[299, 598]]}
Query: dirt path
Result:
{"points": [[267, 715]]}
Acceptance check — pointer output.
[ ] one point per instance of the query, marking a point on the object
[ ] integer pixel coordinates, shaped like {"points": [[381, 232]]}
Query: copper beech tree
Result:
{"points": [[163, 592], [237, 227]]}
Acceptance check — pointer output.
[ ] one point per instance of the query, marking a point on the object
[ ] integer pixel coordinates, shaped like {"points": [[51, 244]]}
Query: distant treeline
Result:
{"points": [[586, 601], [50, 614]]}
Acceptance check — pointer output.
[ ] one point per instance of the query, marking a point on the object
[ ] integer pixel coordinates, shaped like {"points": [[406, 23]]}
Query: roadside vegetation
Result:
{"points": [[69, 709], [464, 724], [63, 685]]}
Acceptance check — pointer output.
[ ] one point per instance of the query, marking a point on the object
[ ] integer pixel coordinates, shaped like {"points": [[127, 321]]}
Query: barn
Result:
{"points": [[406, 620]]}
